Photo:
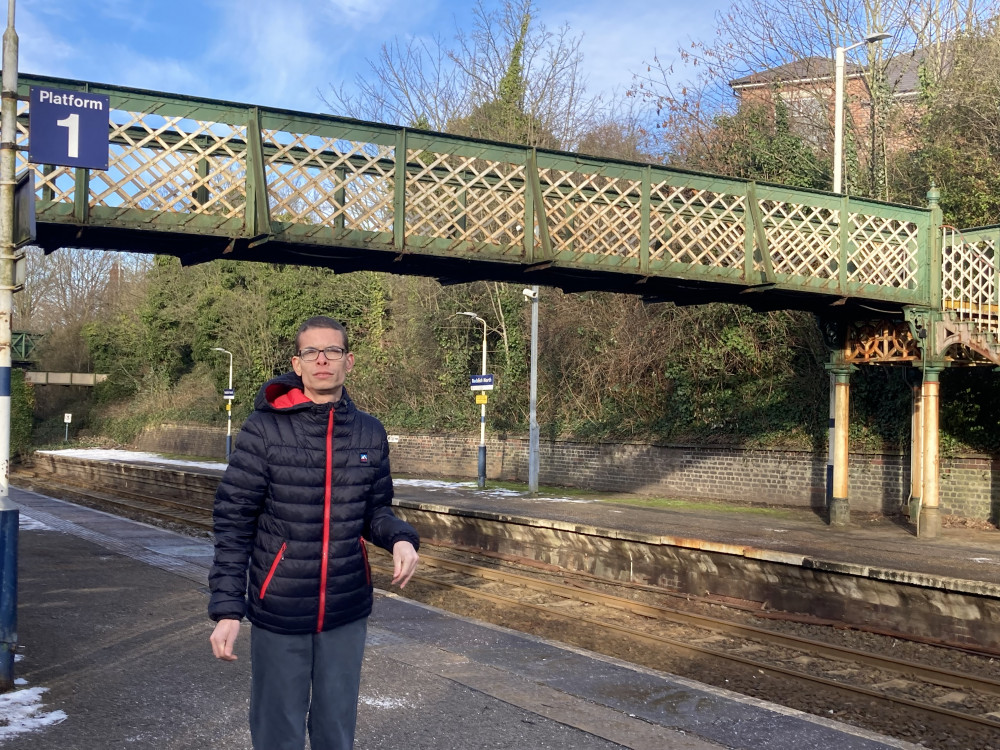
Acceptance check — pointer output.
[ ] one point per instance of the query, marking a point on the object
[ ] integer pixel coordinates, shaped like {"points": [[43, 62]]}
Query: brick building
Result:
{"points": [[807, 87]]}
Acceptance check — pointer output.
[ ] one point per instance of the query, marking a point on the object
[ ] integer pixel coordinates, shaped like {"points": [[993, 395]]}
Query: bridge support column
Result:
{"points": [[916, 451], [929, 517], [839, 506]]}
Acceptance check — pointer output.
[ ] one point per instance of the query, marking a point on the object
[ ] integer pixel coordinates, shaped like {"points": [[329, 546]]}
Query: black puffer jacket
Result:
{"points": [[304, 484]]}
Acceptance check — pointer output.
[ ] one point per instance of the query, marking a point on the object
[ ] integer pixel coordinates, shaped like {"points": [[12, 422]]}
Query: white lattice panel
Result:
{"points": [[698, 227], [802, 239], [464, 199], [592, 214], [968, 282], [173, 164], [327, 182], [883, 252]]}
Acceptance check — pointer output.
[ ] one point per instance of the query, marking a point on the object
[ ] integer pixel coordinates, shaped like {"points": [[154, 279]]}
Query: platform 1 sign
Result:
{"points": [[68, 128], [481, 382]]}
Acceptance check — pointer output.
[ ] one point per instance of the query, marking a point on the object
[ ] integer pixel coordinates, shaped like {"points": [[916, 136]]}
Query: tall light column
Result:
{"points": [[482, 416], [9, 514], [532, 295], [229, 403], [840, 57]]}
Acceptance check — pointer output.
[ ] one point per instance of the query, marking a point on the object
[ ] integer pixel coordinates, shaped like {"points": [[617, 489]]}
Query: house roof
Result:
{"points": [[902, 72], [806, 69]]}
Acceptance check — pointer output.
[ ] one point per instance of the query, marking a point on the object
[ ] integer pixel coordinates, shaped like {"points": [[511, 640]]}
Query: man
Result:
{"points": [[307, 483]]}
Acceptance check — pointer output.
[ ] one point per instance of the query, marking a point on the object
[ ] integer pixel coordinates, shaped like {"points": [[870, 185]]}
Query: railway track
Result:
{"points": [[898, 683], [957, 702]]}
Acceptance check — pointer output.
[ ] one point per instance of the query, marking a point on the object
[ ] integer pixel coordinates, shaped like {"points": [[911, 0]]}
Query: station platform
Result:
{"points": [[112, 627], [802, 536]]}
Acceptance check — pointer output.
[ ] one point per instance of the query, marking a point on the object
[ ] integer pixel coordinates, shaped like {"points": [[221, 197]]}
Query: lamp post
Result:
{"points": [[482, 415], [840, 56], [229, 403], [532, 296], [9, 514]]}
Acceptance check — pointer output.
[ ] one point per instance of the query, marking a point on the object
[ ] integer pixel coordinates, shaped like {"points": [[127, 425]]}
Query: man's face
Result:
{"points": [[323, 378]]}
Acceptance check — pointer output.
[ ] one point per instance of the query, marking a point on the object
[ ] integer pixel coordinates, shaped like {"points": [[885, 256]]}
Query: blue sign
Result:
{"points": [[68, 128], [228, 393], [481, 382]]}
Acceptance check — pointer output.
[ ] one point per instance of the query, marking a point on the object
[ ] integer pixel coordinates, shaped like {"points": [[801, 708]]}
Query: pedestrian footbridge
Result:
{"points": [[204, 179]]}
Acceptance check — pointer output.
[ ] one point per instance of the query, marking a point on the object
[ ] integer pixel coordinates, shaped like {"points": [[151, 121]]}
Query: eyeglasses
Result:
{"points": [[332, 353]]}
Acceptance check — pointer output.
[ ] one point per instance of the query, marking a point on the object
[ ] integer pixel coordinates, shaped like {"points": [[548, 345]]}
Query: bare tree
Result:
{"points": [[755, 36], [437, 85], [72, 286]]}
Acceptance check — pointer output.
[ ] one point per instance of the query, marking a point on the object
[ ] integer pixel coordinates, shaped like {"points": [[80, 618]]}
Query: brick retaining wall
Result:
{"points": [[879, 483]]}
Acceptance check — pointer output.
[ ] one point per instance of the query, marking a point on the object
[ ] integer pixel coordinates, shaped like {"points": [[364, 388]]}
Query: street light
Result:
{"points": [[229, 402], [482, 415], [532, 296], [838, 107]]}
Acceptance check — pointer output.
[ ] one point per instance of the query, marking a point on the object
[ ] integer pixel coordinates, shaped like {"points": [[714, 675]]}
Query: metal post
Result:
{"points": [[229, 412], [229, 403], [838, 118], [482, 422], [831, 438], [8, 511], [916, 452], [840, 62], [533, 398]]}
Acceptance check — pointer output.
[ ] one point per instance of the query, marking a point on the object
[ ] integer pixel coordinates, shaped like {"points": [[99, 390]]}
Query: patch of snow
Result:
{"points": [[433, 484], [18, 657], [21, 711], [440, 484], [106, 454], [378, 702], [27, 523], [20, 681], [981, 559]]}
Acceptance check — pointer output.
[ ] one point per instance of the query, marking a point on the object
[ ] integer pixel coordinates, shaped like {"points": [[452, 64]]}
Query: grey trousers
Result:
{"points": [[298, 676]]}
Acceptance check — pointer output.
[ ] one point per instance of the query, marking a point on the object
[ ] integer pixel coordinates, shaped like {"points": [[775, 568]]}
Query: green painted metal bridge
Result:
{"points": [[204, 179]]}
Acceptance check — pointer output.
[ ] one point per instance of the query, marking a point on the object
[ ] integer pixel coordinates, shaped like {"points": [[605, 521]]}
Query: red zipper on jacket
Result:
{"points": [[274, 567], [327, 497], [368, 567]]}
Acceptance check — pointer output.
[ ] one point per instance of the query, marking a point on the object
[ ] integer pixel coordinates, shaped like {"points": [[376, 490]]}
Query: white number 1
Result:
{"points": [[72, 124]]}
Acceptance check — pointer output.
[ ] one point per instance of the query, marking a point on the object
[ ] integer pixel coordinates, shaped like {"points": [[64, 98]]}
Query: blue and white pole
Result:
{"points": [[8, 511]]}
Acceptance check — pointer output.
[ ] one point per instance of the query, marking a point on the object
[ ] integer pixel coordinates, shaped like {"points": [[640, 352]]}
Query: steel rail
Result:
{"points": [[966, 721], [943, 677]]}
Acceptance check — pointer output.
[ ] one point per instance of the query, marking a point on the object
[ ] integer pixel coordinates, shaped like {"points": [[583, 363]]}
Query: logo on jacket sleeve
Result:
{"points": [[364, 458]]}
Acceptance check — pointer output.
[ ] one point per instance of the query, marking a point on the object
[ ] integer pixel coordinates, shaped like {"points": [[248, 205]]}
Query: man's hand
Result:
{"points": [[223, 638], [404, 562]]}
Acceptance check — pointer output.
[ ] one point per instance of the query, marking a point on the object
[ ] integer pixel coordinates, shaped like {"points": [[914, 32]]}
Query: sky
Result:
{"points": [[284, 53]]}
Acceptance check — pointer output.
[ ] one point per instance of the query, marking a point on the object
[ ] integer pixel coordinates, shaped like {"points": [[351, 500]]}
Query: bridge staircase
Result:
{"points": [[968, 330]]}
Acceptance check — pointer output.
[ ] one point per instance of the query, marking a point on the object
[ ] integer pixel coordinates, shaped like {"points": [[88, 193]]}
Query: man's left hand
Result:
{"points": [[404, 562]]}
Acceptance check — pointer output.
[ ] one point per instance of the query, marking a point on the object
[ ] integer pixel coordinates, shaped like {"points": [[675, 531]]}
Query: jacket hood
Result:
{"points": [[285, 393]]}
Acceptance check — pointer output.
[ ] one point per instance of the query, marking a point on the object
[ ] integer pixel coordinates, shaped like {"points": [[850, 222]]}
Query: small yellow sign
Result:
{"points": [[480, 398]]}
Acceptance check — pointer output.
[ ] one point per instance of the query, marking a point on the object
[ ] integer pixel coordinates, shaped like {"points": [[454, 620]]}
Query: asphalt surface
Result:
{"points": [[112, 623]]}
